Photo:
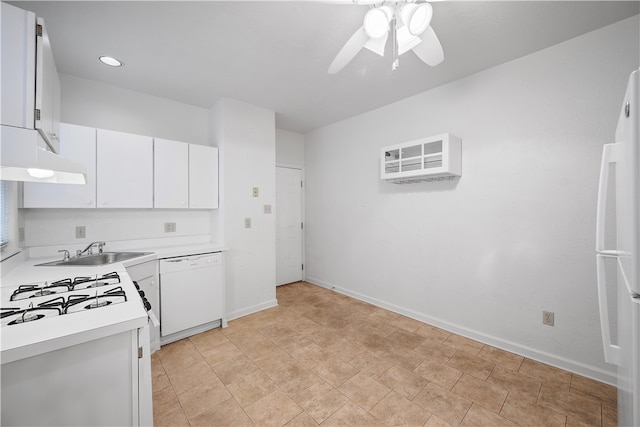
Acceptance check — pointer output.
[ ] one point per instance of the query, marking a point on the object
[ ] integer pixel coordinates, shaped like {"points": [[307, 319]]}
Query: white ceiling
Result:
{"points": [[276, 54]]}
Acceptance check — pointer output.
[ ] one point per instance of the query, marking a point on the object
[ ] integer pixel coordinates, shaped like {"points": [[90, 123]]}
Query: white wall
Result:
{"points": [[245, 135], [94, 104], [289, 149], [485, 254]]}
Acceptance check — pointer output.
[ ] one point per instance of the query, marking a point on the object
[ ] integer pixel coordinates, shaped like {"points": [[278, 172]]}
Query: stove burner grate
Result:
{"points": [[64, 285], [31, 314], [26, 318], [97, 304], [112, 296]]}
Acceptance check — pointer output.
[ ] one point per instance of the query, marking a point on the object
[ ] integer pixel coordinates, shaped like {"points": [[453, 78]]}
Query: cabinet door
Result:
{"points": [[203, 177], [124, 170], [170, 174], [18, 66], [47, 91], [77, 143]]}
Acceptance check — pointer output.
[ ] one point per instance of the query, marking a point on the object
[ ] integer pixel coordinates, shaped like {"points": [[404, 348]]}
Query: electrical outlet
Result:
{"points": [[81, 232], [247, 223], [169, 227], [256, 191], [548, 318], [21, 234], [267, 209]]}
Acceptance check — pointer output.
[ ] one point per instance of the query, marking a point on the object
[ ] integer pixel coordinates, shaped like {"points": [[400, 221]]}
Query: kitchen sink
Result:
{"points": [[97, 259]]}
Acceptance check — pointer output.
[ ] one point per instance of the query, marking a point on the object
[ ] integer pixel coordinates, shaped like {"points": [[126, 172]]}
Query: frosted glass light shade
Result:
{"points": [[376, 21], [417, 17]]}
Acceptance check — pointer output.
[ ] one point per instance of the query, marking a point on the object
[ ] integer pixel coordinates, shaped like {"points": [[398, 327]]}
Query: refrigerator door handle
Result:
{"points": [[609, 155], [611, 351]]}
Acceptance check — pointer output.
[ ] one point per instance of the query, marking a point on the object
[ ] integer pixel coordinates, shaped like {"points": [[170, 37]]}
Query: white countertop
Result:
{"points": [[183, 250], [33, 338]]}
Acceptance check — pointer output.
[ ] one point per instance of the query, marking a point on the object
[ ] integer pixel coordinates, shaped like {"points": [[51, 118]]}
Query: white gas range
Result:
{"points": [[43, 300], [68, 337]]}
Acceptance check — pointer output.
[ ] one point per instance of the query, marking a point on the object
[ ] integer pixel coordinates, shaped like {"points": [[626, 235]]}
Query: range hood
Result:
{"points": [[24, 158]]}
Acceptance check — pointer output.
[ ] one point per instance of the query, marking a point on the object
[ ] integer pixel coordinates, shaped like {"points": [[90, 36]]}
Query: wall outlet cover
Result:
{"points": [[247, 223], [548, 318], [169, 227], [81, 232], [267, 209], [256, 191]]}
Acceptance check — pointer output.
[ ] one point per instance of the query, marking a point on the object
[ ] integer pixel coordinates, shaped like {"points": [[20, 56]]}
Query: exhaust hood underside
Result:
{"points": [[23, 160]]}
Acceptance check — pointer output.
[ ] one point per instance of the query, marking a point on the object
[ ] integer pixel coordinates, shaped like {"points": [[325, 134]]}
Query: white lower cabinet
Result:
{"points": [[146, 276], [77, 143], [124, 170], [99, 382]]}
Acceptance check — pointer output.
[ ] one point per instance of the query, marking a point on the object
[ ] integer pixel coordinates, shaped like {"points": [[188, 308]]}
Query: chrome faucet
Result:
{"points": [[89, 248], [66, 254]]}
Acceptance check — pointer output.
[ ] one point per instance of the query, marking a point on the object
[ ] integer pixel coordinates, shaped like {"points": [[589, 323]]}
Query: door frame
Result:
{"points": [[302, 212]]}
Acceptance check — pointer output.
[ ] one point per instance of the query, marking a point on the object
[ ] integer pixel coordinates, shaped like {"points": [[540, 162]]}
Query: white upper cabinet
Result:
{"points": [[131, 171], [18, 66], [170, 174], [203, 177], [30, 83], [124, 170], [77, 143]]}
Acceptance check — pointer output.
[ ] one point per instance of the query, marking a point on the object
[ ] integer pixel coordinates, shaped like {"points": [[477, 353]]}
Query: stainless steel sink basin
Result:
{"points": [[97, 259]]}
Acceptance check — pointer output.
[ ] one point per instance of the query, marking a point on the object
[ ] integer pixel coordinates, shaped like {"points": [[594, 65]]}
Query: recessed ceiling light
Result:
{"points": [[113, 62]]}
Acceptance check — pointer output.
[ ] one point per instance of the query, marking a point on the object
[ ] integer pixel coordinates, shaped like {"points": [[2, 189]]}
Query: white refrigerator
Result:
{"points": [[618, 255]]}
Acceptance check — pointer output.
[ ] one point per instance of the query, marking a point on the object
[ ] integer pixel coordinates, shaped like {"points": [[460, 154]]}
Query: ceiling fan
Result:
{"points": [[408, 23]]}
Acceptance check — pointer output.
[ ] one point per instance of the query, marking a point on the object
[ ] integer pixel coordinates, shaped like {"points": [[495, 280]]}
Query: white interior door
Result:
{"points": [[288, 225]]}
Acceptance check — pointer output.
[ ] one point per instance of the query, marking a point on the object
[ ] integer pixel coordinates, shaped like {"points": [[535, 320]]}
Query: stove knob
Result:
{"points": [[136, 285], [141, 293], [147, 305]]}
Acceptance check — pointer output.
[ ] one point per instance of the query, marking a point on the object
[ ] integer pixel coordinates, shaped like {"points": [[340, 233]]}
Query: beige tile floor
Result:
{"points": [[322, 358]]}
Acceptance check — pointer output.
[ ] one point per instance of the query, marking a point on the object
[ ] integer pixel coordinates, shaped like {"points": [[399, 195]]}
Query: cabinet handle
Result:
{"points": [[104, 202], [88, 202]]}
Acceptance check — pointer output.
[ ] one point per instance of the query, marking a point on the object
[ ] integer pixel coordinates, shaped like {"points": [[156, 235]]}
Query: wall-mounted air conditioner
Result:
{"points": [[434, 158]]}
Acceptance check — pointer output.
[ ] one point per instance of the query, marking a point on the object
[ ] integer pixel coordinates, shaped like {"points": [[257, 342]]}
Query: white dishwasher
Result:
{"points": [[191, 295]]}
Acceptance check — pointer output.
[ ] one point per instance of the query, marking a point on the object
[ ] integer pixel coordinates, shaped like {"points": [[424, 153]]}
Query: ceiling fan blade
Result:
{"points": [[377, 45], [349, 50], [430, 50]]}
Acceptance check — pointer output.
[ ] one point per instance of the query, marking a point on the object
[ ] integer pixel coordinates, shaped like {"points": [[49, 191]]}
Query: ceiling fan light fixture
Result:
{"points": [[376, 21], [417, 17]]}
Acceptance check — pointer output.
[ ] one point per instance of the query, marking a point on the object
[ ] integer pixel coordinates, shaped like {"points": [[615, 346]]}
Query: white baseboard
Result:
{"points": [[252, 309], [579, 368]]}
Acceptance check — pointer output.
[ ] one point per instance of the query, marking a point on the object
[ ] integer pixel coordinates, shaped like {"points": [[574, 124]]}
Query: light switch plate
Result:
{"points": [[81, 232], [267, 209]]}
